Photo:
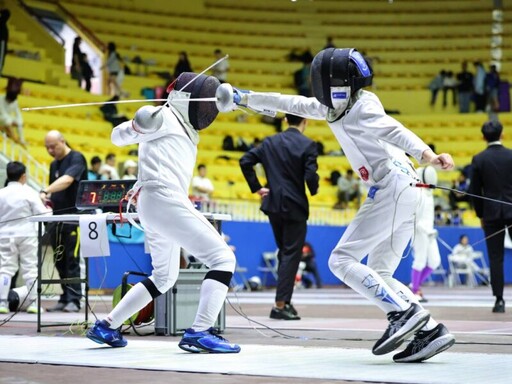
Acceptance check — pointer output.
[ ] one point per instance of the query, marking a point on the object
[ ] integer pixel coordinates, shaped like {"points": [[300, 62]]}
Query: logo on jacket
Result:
{"points": [[363, 172], [339, 95]]}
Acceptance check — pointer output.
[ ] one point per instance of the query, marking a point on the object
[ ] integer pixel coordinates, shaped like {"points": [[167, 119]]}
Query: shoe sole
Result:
{"points": [[437, 346], [193, 348], [414, 324]]}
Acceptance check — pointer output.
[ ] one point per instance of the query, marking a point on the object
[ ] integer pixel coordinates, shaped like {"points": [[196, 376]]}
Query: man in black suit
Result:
{"points": [[491, 170], [289, 160]]}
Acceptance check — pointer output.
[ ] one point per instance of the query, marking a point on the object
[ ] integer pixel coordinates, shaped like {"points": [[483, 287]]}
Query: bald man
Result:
{"points": [[66, 171]]}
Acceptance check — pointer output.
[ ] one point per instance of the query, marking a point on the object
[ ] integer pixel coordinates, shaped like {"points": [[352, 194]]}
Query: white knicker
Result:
{"points": [[381, 229], [170, 223], [22, 252]]}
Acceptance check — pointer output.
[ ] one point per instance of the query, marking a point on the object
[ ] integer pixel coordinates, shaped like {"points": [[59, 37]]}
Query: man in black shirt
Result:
{"points": [[465, 88], [66, 171]]}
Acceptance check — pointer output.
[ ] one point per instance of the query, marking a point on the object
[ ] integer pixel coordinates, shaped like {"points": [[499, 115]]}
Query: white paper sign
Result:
{"points": [[93, 236]]}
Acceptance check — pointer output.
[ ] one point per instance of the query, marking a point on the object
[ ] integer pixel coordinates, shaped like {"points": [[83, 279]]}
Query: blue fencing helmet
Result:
{"points": [[336, 74]]}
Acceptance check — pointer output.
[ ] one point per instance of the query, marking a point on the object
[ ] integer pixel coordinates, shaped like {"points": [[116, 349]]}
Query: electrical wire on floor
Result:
{"points": [[280, 334]]}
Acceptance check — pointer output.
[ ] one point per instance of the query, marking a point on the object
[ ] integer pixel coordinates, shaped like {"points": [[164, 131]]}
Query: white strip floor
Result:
{"points": [[281, 361]]}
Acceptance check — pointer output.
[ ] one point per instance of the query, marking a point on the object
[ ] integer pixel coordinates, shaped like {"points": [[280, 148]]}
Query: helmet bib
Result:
{"points": [[336, 74]]}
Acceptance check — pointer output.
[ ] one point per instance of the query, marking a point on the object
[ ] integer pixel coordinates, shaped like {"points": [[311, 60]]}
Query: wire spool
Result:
{"points": [[145, 315]]}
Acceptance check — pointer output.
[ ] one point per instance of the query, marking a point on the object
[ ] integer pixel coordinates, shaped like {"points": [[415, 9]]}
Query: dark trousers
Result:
{"points": [[496, 251], [290, 236], [66, 255]]}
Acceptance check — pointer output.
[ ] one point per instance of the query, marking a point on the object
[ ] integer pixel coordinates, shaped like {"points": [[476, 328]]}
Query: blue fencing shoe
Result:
{"points": [[102, 334], [207, 341]]}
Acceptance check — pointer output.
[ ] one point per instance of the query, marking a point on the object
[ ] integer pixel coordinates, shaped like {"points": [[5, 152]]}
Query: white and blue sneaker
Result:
{"points": [[102, 334], [207, 341]]}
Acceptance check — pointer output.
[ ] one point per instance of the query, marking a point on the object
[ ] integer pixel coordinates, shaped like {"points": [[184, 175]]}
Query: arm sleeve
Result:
{"points": [[307, 107], [124, 134], [376, 122], [18, 118], [247, 163], [77, 168], [310, 165], [36, 205], [475, 188]]}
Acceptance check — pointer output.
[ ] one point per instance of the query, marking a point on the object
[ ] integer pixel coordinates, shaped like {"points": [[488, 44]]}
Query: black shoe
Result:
{"points": [[283, 314], [59, 307], [401, 325], [291, 308], [425, 345], [499, 306]]}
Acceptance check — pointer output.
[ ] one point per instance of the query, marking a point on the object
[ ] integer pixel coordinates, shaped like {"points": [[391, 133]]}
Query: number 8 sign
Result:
{"points": [[93, 236]]}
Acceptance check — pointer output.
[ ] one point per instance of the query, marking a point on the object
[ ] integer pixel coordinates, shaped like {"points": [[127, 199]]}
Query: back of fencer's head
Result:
{"points": [[492, 131], [148, 119]]}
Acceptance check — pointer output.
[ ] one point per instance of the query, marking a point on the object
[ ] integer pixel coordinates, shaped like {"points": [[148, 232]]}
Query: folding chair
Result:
{"points": [[240, 272], [271, 265]]}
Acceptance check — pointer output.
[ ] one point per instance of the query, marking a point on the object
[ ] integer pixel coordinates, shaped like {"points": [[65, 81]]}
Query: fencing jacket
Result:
{"points": [[372, 141], [166, 157]]}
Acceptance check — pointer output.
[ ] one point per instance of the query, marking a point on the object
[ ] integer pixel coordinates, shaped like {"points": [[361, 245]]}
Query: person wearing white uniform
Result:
{"points": [[202, 186], [18, 236], [10, 116], [375, 145], [168, 138], [425, 248]]}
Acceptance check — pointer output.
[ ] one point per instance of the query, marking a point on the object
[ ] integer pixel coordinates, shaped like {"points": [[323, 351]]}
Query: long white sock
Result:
{"points": [[370, 284], [5, 284], [212, 296], [405, 293], [136, 299]]}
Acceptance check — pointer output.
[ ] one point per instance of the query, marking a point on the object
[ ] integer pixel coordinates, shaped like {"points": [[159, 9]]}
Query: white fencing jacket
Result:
{"points": [[17, 203], [166, 157], [372, 141]]}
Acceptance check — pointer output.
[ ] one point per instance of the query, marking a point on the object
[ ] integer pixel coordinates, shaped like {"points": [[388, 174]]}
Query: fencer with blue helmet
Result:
{"points": [[168, 138], [425, 248], [375, 145]]}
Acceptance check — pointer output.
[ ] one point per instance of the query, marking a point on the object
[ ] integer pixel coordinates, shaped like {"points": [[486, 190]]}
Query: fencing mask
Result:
{"points": [[336, 74], [199, 114]]}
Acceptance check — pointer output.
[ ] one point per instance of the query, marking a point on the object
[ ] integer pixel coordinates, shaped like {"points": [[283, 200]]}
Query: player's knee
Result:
{"points": [[339, 264], [226, 263], [163, 283], [220, 276]]}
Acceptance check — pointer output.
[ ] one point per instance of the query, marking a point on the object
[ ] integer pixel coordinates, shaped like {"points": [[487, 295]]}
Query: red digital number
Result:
{"points": [[93, 197]]}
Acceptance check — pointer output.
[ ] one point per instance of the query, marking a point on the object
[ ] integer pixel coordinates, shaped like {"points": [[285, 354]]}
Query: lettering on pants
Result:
{"points": [[378, 291]]}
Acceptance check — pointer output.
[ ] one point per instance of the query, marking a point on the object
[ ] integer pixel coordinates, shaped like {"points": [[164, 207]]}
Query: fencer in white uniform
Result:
{"points": [[425, 248], [168, 139], [375, 145]]}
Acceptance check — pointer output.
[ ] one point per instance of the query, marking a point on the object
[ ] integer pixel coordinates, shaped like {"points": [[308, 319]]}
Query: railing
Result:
{"points": [[37, 172], [248, 210]]}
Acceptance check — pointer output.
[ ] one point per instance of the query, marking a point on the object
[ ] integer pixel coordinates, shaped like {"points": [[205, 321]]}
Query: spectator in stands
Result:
{"points": [[114, 66], [202, 186], [461, 184], [10, 117], [109, 170], [479, 87], [94, 171], [492, 85], [290, 161], [4, 36], [87, 73], [18, 236], [329, 42], [76, 61], [183, 65], [220, 71], [130, 170], [67, 169], [301, 79], [349, 189], [111, 114], [465, 88], [309, 260], [449, 84], [435, 86]]}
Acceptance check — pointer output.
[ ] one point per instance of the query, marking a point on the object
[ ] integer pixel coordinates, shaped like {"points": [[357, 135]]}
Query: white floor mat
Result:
{"points": [[261, 360]]}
